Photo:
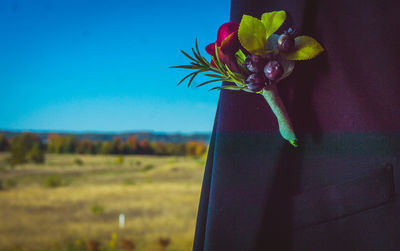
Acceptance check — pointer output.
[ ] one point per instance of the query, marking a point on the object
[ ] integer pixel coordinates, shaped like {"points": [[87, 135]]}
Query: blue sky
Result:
{"points": [[80, 65]]}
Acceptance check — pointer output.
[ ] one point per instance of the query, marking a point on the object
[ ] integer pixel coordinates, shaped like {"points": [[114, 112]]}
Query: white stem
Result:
{"points": [[271, 95]]}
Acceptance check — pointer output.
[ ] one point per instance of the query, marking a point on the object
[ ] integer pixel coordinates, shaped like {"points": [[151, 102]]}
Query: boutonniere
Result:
{"points": [[255, 60]]}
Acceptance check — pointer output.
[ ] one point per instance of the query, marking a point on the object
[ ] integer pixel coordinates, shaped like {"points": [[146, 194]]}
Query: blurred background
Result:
{"points": [[99, 149]]}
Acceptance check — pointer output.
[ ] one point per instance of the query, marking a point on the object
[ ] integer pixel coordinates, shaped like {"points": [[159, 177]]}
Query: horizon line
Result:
{"points": [[99, 132]]}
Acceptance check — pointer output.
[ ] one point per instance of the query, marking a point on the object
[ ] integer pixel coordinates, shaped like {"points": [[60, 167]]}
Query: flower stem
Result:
{"points": [[271, 95]]}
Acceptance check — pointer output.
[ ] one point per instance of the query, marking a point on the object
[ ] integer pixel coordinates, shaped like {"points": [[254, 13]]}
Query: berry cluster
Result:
{"points": [[267, 68], [260, 70]]}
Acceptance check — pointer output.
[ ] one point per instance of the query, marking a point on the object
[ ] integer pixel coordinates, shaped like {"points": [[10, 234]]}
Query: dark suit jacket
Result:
{"points": [[340, 189]]}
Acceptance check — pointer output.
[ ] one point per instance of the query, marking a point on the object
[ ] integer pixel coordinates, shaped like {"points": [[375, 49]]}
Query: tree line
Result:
{"points": [[28, 147]]}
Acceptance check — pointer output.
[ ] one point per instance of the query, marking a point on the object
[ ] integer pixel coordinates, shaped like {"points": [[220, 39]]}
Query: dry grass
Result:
{"points": [[159, 201]]}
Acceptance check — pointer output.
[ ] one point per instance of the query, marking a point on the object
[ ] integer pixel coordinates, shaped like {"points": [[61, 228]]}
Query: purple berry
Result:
{"points": [[286, 41], [255, 82], [255, 63], [273, 70]]}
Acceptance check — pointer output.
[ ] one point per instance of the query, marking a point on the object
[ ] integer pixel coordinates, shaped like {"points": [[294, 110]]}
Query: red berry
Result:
{"points": [[255, 82], [273, 70]]}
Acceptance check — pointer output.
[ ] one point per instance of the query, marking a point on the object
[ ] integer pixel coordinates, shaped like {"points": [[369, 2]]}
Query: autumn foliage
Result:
{"points": [[28, 147], [132, 145]]}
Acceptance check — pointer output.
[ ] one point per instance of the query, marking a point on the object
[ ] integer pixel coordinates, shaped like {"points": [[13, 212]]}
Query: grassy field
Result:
{"points": [[71, 200]]}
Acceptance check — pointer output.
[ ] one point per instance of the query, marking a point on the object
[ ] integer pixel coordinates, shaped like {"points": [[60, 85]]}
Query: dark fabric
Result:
{"points": [[340, 200], [336, 191]]}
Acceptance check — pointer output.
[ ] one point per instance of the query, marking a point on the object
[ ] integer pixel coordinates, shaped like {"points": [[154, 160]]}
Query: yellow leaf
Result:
{"points": [[305, 48], [252, 35], [272, 21]]}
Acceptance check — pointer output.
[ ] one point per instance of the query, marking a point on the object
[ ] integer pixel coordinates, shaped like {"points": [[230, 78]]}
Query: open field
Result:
{"points": [[76, 198]]}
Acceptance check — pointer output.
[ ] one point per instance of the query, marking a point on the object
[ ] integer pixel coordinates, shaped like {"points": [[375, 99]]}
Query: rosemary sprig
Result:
{"points": [[220, 73]]}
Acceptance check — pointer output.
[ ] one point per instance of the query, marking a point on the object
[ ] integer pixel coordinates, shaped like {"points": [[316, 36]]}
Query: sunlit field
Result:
{"points": [[73, 202]]}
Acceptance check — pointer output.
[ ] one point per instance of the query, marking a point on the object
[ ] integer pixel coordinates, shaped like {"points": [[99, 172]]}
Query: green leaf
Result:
{"points": [[218, 63], [272, 21], [214, 76], [184, 67], [205, 61], [234, 74], [232, 87], [194, 75], [252, 35], [207, 82], [217, 56], [187, 55], [236, 77], [287, 65], [185, 78], [240, 57], [197, 56], [288, 69], [197, 65], [306, 48], [197, 47], [294, 142], [201, 58], [214, 88]]}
